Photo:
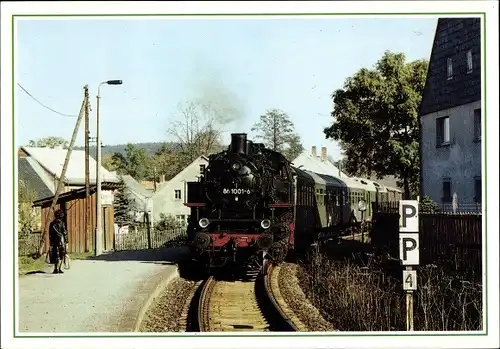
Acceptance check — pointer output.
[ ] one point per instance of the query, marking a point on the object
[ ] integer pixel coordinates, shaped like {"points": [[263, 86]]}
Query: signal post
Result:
{"points": [[409, 252]]}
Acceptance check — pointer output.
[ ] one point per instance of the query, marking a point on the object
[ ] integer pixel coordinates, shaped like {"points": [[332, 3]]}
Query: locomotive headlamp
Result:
{"points": [[203, 223], [236, 166], [265, 224]]}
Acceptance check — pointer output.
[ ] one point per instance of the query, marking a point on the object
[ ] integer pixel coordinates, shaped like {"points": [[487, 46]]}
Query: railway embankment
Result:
{"points": [[357, 290]]}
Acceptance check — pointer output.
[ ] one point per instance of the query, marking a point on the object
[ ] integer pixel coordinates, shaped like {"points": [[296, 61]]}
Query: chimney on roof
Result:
{"points": [[323, 154], [313, 151]]}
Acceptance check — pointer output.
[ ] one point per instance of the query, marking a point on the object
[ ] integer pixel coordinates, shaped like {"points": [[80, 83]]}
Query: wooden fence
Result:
{"points": [[454, 239], [139, 238]]}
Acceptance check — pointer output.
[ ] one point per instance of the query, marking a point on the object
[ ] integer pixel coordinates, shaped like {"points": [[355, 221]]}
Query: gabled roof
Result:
{"points": [[306, 161], [135, 186], [52, 160], [29, 176], [165, 184]]}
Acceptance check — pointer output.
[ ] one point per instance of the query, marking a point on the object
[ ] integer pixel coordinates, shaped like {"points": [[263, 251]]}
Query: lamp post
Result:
{"points": [[97, 238]]}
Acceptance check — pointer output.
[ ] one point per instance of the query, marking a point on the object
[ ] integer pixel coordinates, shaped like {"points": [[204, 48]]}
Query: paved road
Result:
{"points": [[104, 294]]}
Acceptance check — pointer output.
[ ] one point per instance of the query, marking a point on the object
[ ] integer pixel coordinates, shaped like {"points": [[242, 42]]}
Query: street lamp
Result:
{"points": [[97, 239]]}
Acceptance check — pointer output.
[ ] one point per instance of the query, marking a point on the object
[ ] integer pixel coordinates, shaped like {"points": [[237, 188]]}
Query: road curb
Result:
{"points": [[163, 281]]}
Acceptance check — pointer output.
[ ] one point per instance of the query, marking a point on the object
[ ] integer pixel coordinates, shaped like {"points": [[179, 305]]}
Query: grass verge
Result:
{"points": [[366, 294]]}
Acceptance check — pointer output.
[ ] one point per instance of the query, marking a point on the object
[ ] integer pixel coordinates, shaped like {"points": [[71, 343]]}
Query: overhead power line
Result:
{"points": [[45, 106]]}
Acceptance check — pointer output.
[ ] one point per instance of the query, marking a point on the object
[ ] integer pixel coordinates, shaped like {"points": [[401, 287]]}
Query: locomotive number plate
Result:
{"points": [[236, 191]]}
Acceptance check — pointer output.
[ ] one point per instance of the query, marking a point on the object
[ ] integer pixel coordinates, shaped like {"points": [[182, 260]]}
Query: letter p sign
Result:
{"points": [[409, 248], [408, 216]]}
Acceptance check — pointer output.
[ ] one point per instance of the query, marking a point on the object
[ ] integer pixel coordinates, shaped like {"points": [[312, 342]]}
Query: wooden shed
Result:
{"points": [[74, 203]]}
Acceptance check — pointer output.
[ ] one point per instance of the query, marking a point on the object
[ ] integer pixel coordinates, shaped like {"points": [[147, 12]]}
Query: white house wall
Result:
{"points": [[460, 161], [164, 200]]}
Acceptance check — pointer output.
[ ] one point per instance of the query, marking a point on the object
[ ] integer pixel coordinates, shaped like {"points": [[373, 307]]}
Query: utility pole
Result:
{"points": [[60, 183], [87, 172]]}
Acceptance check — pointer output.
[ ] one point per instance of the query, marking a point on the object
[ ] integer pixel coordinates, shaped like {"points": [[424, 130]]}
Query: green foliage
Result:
{"points": [[135, 163], [427, 205], [167, 222], [168, 163], [49, 142], [26, 216], [108, 163], [294, 148], [123, 204], [277, 132], [376, 119]]}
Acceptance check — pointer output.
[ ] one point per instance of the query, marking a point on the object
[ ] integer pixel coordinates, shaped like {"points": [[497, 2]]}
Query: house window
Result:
{"points": [[469, 62], [442, 130], [450, 68], [446, 190], [477, 189], [177, 194], [202, 169], [180, 218], [477, 124]]}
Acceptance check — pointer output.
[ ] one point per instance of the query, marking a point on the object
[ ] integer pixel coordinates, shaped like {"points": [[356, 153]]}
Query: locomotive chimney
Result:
{"points": [[249, 146], [313, 151], [238, 143], [323, 154]]}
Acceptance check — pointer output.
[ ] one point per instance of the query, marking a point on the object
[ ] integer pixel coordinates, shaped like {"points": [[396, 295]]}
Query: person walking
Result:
{"points": [[58, 237]]}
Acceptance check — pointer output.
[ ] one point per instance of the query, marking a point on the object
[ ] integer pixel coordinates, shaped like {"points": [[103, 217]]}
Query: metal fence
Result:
{"points": [[465, 208], [138, 238], [444, 237]]}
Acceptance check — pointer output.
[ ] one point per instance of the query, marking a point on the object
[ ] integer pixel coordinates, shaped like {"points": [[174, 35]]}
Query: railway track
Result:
{"points": [[241, 306]]}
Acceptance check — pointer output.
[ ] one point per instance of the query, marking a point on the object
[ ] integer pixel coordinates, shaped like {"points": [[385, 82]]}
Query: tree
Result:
{"points": [[294, 148], [167, 162], [124, 205], [49, 142], [376, 120], [277, 132], [197, 129], [26, 215], [168, 222], [427, 205], [108, 163], [135, 162]]}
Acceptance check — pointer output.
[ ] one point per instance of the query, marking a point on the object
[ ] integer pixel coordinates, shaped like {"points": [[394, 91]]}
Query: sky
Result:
{"points": [[252, 65]]}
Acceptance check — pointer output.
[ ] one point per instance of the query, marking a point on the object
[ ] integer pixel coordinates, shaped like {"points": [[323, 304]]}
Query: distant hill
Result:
{"points": [[150, 148]]}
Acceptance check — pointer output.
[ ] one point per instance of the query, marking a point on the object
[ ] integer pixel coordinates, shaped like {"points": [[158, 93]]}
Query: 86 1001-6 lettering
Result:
{"points": [[236, 191]]}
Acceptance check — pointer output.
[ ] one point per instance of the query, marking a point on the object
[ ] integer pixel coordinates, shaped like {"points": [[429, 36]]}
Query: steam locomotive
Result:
{"points": [[251, 207]]}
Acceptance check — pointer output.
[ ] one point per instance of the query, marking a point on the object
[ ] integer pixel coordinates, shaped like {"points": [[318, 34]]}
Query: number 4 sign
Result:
{"points": [[410, 280]]}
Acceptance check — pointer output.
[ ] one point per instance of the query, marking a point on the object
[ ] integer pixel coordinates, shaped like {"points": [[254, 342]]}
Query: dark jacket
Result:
{"points": [[58, 234]]}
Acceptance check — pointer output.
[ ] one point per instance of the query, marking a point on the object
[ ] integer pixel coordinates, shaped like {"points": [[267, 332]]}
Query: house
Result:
{"points": [[170, 198], [50, 164], [140, 196], [40, 170], [450, 114], [319, 164]]}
